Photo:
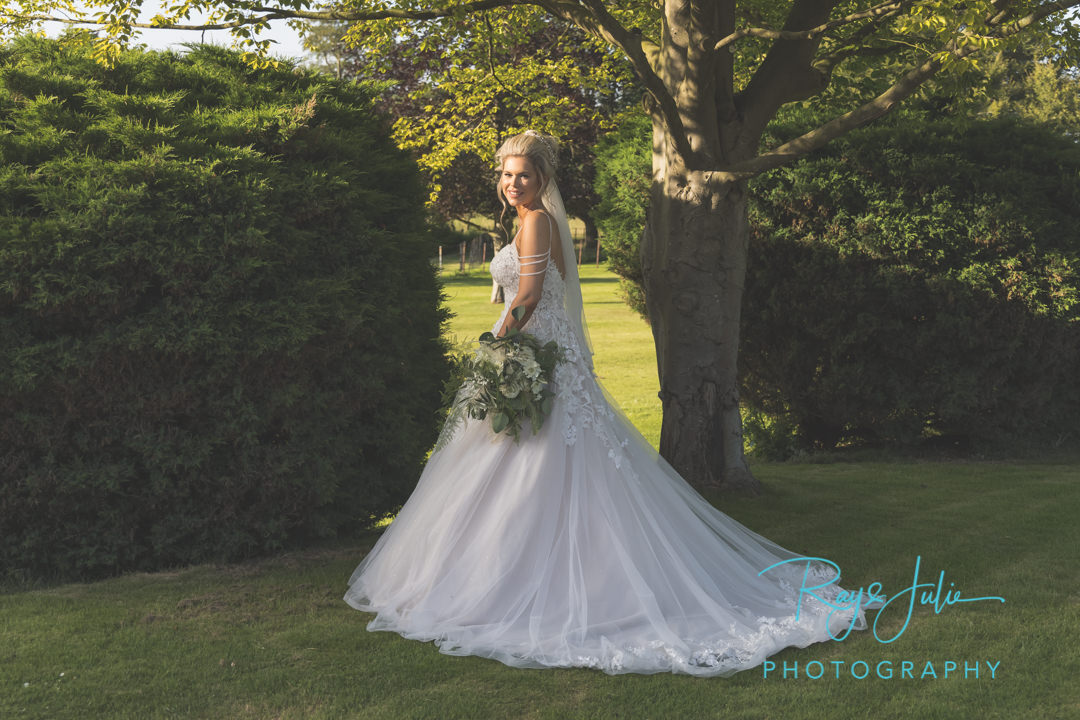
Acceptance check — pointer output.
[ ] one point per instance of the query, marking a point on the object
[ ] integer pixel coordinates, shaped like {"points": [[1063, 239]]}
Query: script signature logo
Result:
{"points": [[871, 597]]}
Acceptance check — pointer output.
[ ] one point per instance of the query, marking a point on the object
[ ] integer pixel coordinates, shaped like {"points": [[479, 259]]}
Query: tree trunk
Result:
{"points": [[592, 238], [694, 263], [694, 254], [591, 232]]}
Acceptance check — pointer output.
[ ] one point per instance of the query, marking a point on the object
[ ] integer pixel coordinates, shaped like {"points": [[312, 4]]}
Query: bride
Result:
{"points": [[579, 546]]}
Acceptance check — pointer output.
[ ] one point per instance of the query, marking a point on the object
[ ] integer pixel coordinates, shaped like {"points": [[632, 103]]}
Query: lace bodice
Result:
{"points": [[574, 381], [548, 321]]}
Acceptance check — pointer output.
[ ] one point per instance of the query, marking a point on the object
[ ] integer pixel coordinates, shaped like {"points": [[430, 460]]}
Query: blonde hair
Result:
{"points": [[540, 150]]}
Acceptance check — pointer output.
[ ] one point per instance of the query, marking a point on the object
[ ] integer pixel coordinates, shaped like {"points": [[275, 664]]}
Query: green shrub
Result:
{"points": [[919, 279], [916, 279], [220, 327], [623, 181]]}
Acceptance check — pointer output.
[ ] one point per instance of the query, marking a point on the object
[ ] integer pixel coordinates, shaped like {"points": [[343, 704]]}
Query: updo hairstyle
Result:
{"points": [[541, 150]]}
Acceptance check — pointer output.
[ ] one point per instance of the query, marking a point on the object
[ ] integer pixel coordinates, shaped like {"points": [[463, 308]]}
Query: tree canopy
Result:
{"points": [[453, 101], [766, 54]]}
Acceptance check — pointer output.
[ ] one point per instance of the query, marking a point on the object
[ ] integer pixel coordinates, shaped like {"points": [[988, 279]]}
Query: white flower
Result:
{"points": [[487, 355], [510, 390]]}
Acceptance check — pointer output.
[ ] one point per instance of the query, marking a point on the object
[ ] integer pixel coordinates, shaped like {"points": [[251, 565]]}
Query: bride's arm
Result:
{"points": [[534, 249]]}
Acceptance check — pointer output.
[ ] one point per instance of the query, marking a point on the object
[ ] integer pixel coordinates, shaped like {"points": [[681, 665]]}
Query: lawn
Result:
{"points": [[272, 639]]}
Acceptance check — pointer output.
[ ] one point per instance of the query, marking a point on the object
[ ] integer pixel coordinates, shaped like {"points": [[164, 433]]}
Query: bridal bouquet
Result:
{"points": [[505, 379]]}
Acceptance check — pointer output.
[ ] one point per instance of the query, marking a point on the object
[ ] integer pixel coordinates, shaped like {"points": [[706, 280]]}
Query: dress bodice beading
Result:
{"points": [[548, 321], [581, 398]]}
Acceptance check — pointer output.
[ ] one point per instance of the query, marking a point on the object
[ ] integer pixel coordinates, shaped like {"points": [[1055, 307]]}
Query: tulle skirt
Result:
{"points": [[580, 547]]}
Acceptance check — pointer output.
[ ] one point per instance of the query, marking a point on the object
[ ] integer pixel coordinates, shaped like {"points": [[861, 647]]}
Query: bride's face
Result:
{"points": [[520, 181]]}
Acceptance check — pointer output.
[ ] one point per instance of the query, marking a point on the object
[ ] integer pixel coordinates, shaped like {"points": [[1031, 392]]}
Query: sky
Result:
{"points": [[287, 40]]}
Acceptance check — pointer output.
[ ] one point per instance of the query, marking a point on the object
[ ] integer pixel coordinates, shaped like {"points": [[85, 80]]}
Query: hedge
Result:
{"points": [[221, 330]]}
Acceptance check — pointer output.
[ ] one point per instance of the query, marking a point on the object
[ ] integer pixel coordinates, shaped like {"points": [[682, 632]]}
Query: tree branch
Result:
{"points": [[593, 17], [808, 142], [1040, 13], [892, 6], [880, 105], [827, 63], [491, 60], [393, 13], [252, 20], [851, 46], [786, 73], [266, 14]]}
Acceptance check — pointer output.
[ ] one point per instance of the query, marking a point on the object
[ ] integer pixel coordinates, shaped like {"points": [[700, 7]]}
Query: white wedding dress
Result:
{"points": [[580, 546]]}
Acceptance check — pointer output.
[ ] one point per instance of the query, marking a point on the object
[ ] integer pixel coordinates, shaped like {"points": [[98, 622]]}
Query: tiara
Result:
{"points": [[547, 145]]}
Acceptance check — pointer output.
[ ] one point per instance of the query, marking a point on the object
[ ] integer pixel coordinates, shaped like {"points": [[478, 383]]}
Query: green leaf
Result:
{"points": [[499, 421]]}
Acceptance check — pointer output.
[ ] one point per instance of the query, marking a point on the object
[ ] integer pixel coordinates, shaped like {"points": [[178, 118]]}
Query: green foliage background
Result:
{"points": [[623, 182], [920, 277], [915, 279], [220, 328]]}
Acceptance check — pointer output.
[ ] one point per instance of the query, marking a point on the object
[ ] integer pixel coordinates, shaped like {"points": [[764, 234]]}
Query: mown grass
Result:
{"points": [[272, 639]]}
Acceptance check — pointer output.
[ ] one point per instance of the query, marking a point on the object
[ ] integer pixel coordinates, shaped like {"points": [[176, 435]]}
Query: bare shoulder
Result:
{"points": [[538, 221], [535, 232]]}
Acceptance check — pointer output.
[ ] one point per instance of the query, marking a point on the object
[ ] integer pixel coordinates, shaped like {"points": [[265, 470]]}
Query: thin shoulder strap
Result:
{"points": [[540, 258]]}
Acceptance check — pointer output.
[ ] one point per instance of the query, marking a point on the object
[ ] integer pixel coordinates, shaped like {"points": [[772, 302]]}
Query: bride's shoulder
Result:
{"points": [[537, 222], [537, 215], [535, 235]]}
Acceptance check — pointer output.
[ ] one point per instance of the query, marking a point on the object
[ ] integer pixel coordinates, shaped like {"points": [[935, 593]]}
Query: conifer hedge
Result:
{"points": [[220, 329], [915, 280]]}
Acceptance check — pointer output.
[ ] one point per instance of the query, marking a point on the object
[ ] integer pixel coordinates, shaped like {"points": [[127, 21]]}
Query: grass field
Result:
{"points": [[272, 639]]}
